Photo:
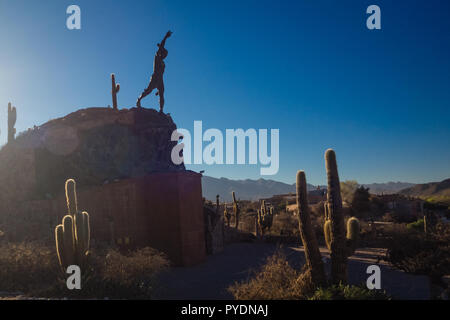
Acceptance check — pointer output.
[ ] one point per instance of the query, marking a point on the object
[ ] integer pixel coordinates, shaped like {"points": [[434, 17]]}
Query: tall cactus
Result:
{"points": [[236, 210], [312, 252], [115, 89], [12, 117], [73, 235], [336, 216]]}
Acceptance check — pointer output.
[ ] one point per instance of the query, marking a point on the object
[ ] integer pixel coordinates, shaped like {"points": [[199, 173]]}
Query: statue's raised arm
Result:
{"points": [[163, 42]]}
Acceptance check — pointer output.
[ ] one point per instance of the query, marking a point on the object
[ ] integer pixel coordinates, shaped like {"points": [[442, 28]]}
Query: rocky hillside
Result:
{"points": [[429, 190], [92, 145], [388, 187]]}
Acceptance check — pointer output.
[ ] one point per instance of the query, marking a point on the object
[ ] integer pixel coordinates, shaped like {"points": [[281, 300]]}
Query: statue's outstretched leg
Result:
{"points": [[145, 93]]}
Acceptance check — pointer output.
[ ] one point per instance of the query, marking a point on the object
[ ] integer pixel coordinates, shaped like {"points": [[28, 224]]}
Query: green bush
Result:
{"points": [[419, 253], [416, 226], [347, 292]]}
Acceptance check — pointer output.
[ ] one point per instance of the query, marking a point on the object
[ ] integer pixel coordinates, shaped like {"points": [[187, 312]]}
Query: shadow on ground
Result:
{"points": [[211, 279]]}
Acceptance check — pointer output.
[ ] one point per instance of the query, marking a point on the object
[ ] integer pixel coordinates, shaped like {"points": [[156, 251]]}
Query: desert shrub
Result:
{"points": [[135, 271], [284, 224], [247, 222], [33, 269], [419, 253], [277, 280], [348, 292], [400, 215], [27, 266], [117, 275], [416, 226]]}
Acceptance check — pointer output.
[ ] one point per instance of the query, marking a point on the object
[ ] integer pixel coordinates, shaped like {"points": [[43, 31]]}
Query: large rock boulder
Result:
{"points": [[94, 146]]}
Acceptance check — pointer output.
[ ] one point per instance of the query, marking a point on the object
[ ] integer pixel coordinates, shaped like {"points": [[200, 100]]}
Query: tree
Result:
{"points": [[361, 201], [348, 188]]}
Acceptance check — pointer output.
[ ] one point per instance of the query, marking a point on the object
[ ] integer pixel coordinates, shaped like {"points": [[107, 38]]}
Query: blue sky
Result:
{"points": [[312, 69]]}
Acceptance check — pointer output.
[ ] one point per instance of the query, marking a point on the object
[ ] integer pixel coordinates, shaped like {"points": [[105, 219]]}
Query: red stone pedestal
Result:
{"points": [[162, 210]]}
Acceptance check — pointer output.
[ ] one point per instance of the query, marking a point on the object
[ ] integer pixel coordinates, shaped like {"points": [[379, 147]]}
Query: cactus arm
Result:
{"points": [[353, 231], [87, 230], [59, 236], [68, 239], [71, 197], [327, 233]]}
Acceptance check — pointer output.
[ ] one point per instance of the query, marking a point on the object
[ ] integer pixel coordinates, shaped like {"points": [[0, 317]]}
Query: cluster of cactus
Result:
{"points": [[12, 117], [265, 217], [236, 210], [340, 244], [73, 235], [115, 89]]}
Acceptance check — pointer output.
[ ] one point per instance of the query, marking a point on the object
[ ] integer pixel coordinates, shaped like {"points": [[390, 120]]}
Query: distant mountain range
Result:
{"points": [[245, 189], [256, 189], [432, 189], [388, 187]]}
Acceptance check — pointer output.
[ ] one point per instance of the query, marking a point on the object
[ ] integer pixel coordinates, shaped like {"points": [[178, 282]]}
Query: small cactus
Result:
{"points": [[73, 235], [226, 214], [115, 89], [236, 210], [12, 118], [353, 229], [265, 217], [217, 205]]}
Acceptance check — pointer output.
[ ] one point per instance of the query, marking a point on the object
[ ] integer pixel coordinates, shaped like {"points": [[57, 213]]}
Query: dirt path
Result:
{"points": [[211, 279]]}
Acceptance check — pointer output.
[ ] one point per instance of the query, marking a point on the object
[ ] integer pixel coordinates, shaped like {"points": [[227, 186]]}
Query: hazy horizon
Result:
{"points": [[322, 184]]}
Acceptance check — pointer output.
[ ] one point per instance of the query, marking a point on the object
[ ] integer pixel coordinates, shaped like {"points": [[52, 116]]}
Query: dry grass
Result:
{"points": [[277, 280], [26, 267], [32, 269], [137, 269]]}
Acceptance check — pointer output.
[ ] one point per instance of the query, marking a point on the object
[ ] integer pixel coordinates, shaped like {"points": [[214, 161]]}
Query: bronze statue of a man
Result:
{"points": [[156, 81]]}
